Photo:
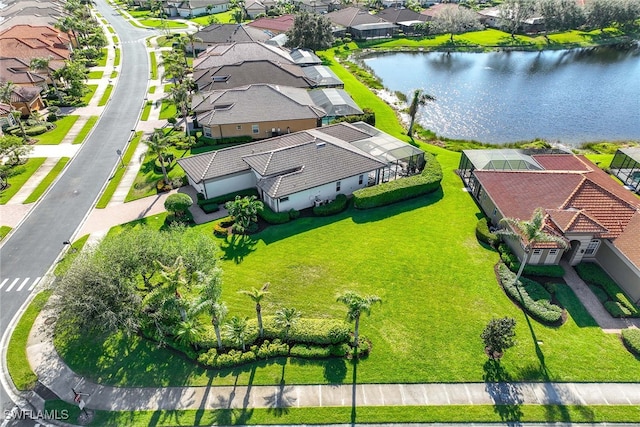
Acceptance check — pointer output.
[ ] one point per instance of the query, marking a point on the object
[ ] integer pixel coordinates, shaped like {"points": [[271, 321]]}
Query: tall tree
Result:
{"points": [[286, 318], [191, 39], [244, 210], [210, 293], [456, 20], [181, 97], [560, 15], [158, 143], [514, 12], [257, 295], [419, 98], [175, 65], [356, 306], [499, 335], [189, 331], [529, 232], [310, 31], [237, 330]]}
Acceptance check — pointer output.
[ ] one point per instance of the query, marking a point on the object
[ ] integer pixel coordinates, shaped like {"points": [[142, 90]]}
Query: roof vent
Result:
{"points": [[320, 144]]}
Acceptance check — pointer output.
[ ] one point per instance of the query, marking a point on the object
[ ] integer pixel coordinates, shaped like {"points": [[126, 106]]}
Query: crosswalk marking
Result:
{"points": [[12, 284], [24, 282], [35, 282], [3, 282]]}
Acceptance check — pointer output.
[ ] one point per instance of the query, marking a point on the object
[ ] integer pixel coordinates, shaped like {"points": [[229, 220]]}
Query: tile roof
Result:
{"points": [[254, 103], [229, 33], [235, 53], [394, 15], [278, 24], [628, 242], [437, 9], [351, 16], [561, 162], [17, 71], [37, 35], [575, 221], [250, 72]]}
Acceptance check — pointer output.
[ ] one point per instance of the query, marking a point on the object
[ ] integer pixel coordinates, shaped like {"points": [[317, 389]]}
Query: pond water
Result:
{"points": [[568, 96]]}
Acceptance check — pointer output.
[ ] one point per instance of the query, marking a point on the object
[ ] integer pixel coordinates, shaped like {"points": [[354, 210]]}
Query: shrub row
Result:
{"points": [[484, 235], [368, 117], [334, 207], [631, 338], [310, 351], [512, 261], [235, 357], [593, 274], [309, 331], [271, 217], [226, 197], [534, 298], [210, 207], [401, 189]]}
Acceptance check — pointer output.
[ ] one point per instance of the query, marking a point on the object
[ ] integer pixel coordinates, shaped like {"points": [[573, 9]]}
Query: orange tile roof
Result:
{"points": [[628, 242], [45, 34], [561, 162], [575, 221]]}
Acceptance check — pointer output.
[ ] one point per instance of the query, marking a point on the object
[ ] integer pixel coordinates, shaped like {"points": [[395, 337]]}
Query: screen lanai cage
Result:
{"points": [[626, 167]]}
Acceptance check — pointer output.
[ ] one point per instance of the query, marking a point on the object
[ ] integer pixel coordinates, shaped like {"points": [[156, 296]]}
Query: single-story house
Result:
{"points": [[254, 8], [493, 17], [626, 167], [226, 33], [26, 99], [406, 19], [598, 218], [31, 12], [259, 111], [299, 170], [274, 25], [26, 42], [19, 73], [191, 8], [316, 6], [360, 24], [234, 53]]}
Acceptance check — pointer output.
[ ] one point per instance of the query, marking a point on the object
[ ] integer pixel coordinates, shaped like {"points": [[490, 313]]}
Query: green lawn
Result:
{"points": [[116, 60], [154, 65], [152, 89], [4, 230], [222, 17], [102, 62], [167, 87], [146, 179], [95, 75], [146, 111], [69, 256], [55, 136], [167, 110], [46, 182], [159, 23], [17, 364], [113, 75], [16, 182], [105, 96], [117, 176], [87, 97], [79, 139]]}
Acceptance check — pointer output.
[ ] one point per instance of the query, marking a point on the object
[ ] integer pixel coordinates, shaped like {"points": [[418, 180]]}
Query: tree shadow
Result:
{"points": [[354, 382], [334, 369], [281, 400], [237, 247], [506, 395]]}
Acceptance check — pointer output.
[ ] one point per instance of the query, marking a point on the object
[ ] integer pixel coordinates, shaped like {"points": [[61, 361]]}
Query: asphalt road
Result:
{"points": [[36, 243]]}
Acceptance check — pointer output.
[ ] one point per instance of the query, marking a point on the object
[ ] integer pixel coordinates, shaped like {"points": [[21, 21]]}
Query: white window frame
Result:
{"points": [[255, 129]]}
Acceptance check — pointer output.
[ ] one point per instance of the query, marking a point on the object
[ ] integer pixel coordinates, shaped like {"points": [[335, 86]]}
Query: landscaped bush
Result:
{"points": [[309, 331], [599, 293], [401, 189], [219, 230], [272, 217], [616, 309], [511, 261], [35, 130], [533, 297], [484, 235], [631, 338], [210, 207], [294, 214], [310, 351], [227, 197], [368, 117], [334, 207], [212, 358], [593, 274]]}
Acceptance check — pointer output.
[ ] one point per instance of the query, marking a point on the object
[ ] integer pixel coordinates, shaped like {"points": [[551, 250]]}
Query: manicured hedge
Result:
{"points": [[534, 298], [308, 331], [334, 207], [210, 207], [226, 197], [272, 217], [593, 274], [631, 338], [484, 235], [511, 260], [401, 189]]}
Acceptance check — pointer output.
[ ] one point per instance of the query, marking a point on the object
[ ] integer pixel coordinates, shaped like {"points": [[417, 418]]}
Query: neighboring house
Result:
{"points": [[335, 103], [274, 25], [31, 12], [254, 8], [299, 170], [27, 99], [316, 6], [18, 72], [6, 118], [258, 111], [234, 53], [406, 19], [322, 76], [191, 8], [226, 33], [433, 11], [360, 24], [599, 219], [26, 42], [492, 17], [626, 166]]}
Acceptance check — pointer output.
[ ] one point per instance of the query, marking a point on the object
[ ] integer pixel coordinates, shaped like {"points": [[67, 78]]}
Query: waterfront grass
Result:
{"points": [[91, 121], [46, 182], [21, 175], [361, 415], [105, 96], [114, 181], [17, 364], [57, 134]]}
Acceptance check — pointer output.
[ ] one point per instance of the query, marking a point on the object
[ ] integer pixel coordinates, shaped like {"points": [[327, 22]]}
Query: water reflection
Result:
{"points": [[569, 96]]}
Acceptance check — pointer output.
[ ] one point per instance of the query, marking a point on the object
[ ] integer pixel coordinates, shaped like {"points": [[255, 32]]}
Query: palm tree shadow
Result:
{"points": [[506, 396], [279, 402], [354, 381], [237, 247]]}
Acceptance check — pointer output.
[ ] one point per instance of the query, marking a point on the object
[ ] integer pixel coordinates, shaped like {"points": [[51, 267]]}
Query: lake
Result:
{"points": [[567, 96]]}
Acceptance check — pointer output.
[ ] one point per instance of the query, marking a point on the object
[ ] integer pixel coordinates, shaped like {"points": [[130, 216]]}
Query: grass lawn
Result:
{"points": [[167, 87], [111, 30], [167, 110], [114, 181], [16, 182], [69, 256], [102, 62], [113, 75], [4, 230], [146, 179], [222, 18], [79, 139], [91, 91], [360, 414], [154, 65], [105, 96], [95, 75], [17, 364], [115, 40], [55, 136], [152, 89], [160, 23], [46, 182], [116, 60], [146, 111]]}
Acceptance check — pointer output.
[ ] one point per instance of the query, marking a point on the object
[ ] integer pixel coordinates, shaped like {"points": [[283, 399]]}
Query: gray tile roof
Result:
{"points": [[250, 72], [229, 33], [400, 15], [253, 104], [235, 53], [350, 16]]}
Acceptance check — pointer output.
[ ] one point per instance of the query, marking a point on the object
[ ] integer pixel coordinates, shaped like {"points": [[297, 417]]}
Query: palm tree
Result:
{"points": [[210, 297], [181, 97], [189, 331], [256, 296], [356, 305], [286, 318], [419, 98], [244, 210], [237, 330], [191, 39], [530, 232], [158, 143]]}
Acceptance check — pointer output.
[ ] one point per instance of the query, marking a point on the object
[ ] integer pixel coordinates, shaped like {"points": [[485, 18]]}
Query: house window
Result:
{"points": [[338, 186], [553, 251], [255, 129], [537, 251], [360, 179], [207, 131], [238, 127], [592, 247], [284, 199]]}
